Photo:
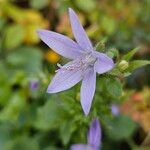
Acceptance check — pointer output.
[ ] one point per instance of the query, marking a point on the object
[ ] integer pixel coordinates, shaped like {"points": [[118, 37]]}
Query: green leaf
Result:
{"points": [[66, 130], [113, 87], [39, 4], [14, 35], [130, 54], [51, 148], [5, 88], [28, 59], [108, 24], [47, 115], [100, 46], [2, 23], [86, 5], [5, 92], [113, 53], [5, 136], [137, 64], [23, 143], [12, 110], [142, 148], [115, 72], [119, 128]]}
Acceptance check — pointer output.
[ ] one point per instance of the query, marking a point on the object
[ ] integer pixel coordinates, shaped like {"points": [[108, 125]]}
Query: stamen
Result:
{"points": [[80, 64], [59, 65]]}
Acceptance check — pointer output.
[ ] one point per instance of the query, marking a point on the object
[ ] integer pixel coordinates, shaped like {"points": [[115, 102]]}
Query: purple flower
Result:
{"points": [[94, 138], [34, 84], [115, 110], [84, 64]]}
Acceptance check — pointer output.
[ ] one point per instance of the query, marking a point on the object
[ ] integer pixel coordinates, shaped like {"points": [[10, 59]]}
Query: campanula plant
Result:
{"points": [[84, 64], [33, 120]]}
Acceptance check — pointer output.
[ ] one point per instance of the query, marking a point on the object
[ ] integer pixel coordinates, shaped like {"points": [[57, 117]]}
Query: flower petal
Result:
{"points": [[94, 135], [103, 63], [60, 44], [115, 109], [81, 147], [78, 31], [64, 79], [88, 90]]}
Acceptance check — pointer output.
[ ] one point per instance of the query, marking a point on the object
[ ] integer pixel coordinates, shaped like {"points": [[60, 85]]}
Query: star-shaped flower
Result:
{"points": [[94, 138], [84, 64]]}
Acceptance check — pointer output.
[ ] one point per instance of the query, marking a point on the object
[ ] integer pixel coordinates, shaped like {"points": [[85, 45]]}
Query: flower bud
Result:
{"points": [[123, 65]]}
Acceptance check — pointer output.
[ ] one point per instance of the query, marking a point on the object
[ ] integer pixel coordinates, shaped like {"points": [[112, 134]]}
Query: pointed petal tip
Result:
{"points": [[86, 112], [70, 10], [79, 32], [40, 31], [86, 109], [50, 91], [95, 121]]}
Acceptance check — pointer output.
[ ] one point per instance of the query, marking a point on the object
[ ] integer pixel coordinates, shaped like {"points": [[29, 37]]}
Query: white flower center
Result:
{"points": [[79, 64]]}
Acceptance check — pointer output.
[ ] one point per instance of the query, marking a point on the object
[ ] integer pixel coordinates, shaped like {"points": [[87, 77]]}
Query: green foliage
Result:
{"points": [[119, 128], [86, 5], [24, 143], [13, 36], [47, 116], [137, 64], [5, 135], [34, 120], [112, 86], [14, 106], [108, 24], [130, 54], [66, 130], [39, 4], [100, 46], [28, 59]]}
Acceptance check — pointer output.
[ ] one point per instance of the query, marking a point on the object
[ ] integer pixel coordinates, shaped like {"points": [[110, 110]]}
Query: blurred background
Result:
{"points": [[31, 119]]}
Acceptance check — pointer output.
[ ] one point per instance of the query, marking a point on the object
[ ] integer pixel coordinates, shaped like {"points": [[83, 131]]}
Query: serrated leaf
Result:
{"points": [[113, 87], [137, 64], [130, 54]]}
